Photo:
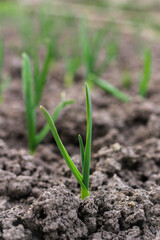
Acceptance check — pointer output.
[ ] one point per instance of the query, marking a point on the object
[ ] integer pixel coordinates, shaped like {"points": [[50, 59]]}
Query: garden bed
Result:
{"points": [[39, 196]]}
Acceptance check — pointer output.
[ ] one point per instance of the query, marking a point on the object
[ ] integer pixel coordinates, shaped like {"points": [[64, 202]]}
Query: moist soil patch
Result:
{"points": [[40, 198]]}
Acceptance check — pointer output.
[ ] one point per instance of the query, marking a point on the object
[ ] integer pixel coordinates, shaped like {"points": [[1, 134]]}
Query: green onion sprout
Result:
{"points": [[90, 54], [83, 179], [147, 67], [32, 91]]}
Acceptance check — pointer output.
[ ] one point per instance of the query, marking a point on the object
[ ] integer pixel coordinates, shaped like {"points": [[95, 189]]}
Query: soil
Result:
{"points": [[40, 198]]}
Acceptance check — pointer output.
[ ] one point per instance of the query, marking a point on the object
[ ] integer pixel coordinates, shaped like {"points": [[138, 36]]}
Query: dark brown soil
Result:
{"points": [[39, 197]]}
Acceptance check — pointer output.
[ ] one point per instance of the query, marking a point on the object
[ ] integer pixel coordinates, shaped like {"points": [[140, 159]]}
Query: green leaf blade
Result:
{"points": [[110, 88], [43, 73], [29, 101], [62, 149], [36, 81], [87, 154], [81, 152], [143, 87]]}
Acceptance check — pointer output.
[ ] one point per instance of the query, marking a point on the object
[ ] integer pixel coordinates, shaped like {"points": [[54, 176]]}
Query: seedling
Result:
{"points": [[90, 54], [40, 76], [32, 91], [145, 79], [4, 81], [91, 50], [46, 24], [83, 179]]}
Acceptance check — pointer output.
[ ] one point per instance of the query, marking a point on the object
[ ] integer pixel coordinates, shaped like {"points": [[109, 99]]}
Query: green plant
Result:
{"points": [[91, 49], [145, 79], [42, 24], [32, 91], [83, 179], [106, 86], [90, 56], [40, 75], [47, 23], [4, 81]]}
